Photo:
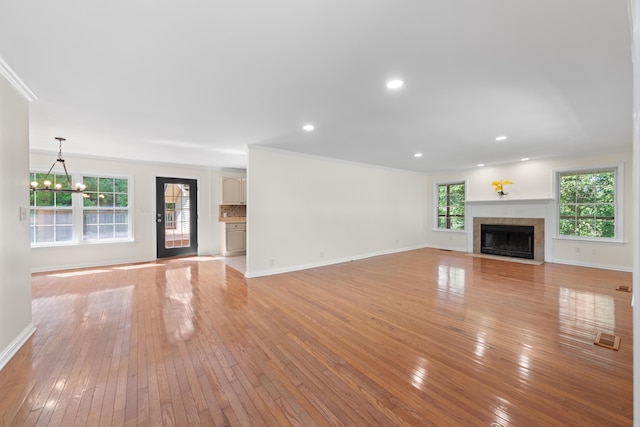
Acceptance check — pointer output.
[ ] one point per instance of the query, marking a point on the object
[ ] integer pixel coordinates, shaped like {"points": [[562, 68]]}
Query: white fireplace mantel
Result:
{"points": [[505, 200], [514, 208]]}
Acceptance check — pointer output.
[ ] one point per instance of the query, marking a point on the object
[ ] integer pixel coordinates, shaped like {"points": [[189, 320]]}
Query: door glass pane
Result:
{"points": [[177, 216]]}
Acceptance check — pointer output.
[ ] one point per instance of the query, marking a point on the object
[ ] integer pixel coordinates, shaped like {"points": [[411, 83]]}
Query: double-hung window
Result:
{"points": [[51, 213], [100, 214], [587, 203], [451, 206], [105, 213]]}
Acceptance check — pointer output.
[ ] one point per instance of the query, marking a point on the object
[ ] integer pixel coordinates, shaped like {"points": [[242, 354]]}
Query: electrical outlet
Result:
{"points": [[321, 254], [271, 262]]}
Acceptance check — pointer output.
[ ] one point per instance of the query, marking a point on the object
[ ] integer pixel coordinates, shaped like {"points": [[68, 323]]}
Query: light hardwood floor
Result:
{"points": [[421, 338]]}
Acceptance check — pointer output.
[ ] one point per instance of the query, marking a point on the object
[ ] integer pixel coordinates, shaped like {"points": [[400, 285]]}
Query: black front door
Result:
{"points": [[176, 217]]}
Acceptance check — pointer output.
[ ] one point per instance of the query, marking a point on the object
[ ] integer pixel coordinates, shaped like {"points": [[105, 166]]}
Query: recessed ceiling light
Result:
{"points": [[501, 138], [480, 165], [524, 159], [395, 84], [417, 155], [308, 127]]}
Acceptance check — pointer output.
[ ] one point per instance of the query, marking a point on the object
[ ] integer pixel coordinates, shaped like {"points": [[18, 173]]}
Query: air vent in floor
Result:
{"points": [[607, 341]]}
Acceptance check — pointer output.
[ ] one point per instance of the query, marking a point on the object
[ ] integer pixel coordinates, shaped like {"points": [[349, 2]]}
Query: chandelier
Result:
{"points": [[57, 188]]}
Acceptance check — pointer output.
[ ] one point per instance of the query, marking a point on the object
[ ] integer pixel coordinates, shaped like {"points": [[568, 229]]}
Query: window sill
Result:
{"points": [[82, 243], [590, 240], [447, 230]]}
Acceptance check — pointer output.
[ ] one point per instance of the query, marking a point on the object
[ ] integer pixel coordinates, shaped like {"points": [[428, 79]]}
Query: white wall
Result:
{"points": [[305, 211], [535, 180], [15, 278], [143, 248], [635, 21]]}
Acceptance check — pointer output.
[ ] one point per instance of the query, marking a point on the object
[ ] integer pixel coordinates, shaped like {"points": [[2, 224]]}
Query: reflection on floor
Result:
{"points": [[236, 262], [422, 337]]}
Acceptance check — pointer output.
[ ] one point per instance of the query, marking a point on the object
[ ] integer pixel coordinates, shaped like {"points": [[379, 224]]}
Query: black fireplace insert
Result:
{"points": [[507, 240]]}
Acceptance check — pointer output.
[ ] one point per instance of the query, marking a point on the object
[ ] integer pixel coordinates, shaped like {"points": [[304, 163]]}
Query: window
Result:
{"points": [[51, 213], [101, 213], [587, 203], [451, 206], [105, 213]]}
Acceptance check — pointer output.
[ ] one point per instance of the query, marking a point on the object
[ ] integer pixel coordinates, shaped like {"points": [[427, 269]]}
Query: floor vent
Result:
{"points": [[623, 288], [607, 341]]}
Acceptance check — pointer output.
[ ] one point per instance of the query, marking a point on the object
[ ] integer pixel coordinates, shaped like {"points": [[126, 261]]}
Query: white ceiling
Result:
{"points": [[196, 82]]}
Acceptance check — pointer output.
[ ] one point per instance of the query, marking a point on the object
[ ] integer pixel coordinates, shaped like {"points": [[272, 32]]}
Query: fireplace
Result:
{"points": [[533, 241], [508, 240]]}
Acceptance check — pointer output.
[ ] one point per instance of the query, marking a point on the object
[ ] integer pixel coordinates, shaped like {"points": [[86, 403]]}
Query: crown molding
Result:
{"points": [[15, 81]]}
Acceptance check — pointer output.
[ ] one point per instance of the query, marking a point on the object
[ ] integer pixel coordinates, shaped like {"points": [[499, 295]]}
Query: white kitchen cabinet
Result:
{"points": [[234, 190], [234, 238]]}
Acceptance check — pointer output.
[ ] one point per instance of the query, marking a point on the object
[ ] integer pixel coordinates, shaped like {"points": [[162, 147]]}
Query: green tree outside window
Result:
{"points": [[451, 206], [587, 203], [105, 208]]}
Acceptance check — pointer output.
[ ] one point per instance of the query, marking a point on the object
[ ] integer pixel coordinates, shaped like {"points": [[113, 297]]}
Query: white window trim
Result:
{"points": [[435, 206], [77, 210], [129, 210], [73, 197], [618, 202]]}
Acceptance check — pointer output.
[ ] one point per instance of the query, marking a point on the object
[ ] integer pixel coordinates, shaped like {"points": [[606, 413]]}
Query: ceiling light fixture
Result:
{"points": [[308, 128], [57, 188], [501, 138], [417, 155], [524, 159], [480, 165], [395, 84]]}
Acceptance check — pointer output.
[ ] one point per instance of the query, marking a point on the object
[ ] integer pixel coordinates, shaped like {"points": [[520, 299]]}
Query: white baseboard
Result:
{"points": [[447, 248], [291, 268], [16, 344], [591, 265], [73, 266]]}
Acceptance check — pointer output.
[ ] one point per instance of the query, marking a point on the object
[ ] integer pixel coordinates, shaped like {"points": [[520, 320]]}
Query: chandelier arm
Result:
{"points": [[65, 172], [50, 169]]}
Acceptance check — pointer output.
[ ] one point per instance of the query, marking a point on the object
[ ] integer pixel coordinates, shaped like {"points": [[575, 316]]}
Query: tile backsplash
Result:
{"points": [[233, 210]]}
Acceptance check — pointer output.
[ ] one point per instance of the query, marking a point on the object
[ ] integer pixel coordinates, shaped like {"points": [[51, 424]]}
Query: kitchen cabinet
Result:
{"points": [[234, 238], [234, 190]]}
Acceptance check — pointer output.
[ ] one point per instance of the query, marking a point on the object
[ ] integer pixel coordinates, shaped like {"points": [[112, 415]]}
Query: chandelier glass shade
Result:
{"points": [[46, 184]]}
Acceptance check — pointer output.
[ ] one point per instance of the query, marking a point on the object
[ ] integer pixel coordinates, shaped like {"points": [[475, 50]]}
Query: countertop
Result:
{"points": [[233, 219]]}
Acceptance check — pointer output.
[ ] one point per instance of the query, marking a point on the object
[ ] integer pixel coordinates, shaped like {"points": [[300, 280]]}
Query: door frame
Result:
{"points": [[161, 250]]}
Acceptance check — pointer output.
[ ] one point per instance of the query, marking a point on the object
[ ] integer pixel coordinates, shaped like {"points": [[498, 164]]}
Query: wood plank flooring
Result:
{"points": [[421, 338]]}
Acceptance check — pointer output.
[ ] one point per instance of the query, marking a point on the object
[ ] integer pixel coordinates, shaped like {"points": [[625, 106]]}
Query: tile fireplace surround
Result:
{"points": [[538, 232]]}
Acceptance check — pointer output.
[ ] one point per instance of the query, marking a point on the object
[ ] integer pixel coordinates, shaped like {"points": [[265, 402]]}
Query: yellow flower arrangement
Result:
{"points": [[498, 187]]}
